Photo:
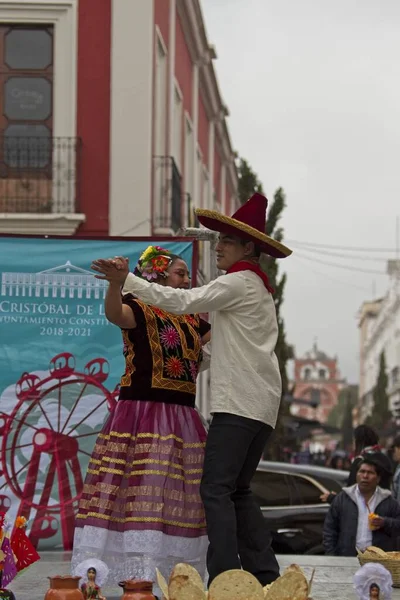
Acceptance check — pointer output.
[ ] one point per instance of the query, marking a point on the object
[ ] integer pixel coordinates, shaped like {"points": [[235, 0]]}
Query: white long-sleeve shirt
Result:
{"points": [[364, 533], [245, 377]]}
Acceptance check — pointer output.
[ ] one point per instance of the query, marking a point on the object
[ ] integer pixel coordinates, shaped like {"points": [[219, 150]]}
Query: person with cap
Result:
{"points": [[366, 443], [245, 380], [362, 515], [396, 477]]}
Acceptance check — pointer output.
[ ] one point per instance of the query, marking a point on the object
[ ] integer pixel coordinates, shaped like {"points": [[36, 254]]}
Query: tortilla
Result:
{"points": [[235, 585], [292, 585], [266, 588], [182, 588], [294, 568], [375, 551], [162, 584], [188, 571]]}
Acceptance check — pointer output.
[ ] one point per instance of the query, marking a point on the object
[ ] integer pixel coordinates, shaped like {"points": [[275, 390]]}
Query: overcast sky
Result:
{"points": [[313, 89]]}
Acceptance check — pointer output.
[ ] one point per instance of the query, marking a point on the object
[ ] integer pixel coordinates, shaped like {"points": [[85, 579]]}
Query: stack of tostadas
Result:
{"points": [[185, 583], [390, 560]]}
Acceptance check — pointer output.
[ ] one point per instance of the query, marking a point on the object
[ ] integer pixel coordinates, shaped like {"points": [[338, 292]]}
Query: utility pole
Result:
{"points": [[203, 389], [397, 254], [203, 235]]}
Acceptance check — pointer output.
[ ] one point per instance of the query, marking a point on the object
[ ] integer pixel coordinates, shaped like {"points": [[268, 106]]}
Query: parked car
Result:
{"points": [[289, 497]]}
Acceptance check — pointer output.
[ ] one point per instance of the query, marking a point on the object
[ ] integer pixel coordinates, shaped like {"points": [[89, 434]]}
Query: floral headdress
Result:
{"points": [[373, 574], [101, 568], [153, 263]]}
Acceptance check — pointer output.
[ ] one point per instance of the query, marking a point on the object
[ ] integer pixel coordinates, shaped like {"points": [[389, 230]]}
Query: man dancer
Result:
{"points": [[245, 381]]}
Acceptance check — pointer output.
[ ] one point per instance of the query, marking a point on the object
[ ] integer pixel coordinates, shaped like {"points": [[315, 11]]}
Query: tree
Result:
{"points": [[347, 423], [338, 412], [249, 184], [381, 413]]}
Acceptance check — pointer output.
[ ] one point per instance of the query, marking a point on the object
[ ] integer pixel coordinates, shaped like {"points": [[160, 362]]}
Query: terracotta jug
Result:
{"points": [[64, 587], [6, 594], [137, 589]]}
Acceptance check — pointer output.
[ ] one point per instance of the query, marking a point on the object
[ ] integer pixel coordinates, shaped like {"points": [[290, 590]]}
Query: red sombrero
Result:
{"points": [[247, 223]]}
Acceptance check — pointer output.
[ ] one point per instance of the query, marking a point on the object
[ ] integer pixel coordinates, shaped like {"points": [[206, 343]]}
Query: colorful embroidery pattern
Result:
{"points": [[174, 367], [175, 346], [169, 337], [129, 353], [194, 370]]}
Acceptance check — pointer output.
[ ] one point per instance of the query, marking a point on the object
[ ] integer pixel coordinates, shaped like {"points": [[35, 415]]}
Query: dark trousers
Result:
{"points": [[237, 532]]}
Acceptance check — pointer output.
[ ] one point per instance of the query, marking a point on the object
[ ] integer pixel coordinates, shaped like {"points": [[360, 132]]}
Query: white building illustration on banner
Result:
{"points": [[64, 281]]}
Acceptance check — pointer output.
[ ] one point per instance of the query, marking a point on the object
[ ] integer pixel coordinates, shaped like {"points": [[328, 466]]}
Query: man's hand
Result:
{"points": [[113, 270], [377, 522], [324, 497]]}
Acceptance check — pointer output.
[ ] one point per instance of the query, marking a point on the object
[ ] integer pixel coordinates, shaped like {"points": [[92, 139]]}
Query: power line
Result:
{"points": [[339, 266], [340, 255], [337, 247], [334, 279]]}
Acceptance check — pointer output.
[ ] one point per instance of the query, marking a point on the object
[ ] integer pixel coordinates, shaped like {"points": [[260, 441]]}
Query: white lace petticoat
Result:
{"points": [[137, 554]]}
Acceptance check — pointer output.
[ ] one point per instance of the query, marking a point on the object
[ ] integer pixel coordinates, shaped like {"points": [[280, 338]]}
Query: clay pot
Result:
{"points": [[6, 594], [64, 587], [137, 589]]}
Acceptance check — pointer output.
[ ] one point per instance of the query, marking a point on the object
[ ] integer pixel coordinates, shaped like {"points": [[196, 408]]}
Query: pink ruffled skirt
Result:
{"points": [[140, 507]]}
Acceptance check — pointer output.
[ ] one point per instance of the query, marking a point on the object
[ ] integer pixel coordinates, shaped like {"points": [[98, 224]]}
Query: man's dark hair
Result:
{"points": [[396, 442], [365, 436], [371, 463], [257, 251]]}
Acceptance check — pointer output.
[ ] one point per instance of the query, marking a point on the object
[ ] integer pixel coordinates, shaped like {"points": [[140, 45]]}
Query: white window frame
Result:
{"points": [[177, 126], [63, 15], [160, 170], [189, 172], [205, 201]]}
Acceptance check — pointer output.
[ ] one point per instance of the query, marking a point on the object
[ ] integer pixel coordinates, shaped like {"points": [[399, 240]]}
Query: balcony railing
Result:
{"points": [[39, 174], [168, 198]]}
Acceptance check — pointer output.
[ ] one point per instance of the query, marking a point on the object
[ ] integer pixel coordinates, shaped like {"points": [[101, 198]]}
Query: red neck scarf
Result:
{"points": [[244, 265]]}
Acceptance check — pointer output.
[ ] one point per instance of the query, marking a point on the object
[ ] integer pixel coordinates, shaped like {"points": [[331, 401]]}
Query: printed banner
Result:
{"points": [[60, 364]]}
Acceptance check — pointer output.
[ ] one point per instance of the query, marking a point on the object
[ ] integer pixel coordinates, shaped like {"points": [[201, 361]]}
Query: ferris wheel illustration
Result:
{"points": [[47, 439]]}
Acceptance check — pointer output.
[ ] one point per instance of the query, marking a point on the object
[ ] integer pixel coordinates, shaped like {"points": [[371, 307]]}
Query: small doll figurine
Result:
{"points": [[23, 549], [374, 592], [8, 570], [93, 573], [373, 582]]}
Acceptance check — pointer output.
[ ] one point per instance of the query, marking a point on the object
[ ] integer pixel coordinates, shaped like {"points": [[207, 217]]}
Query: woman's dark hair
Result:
{"points": [[374, 585], [336, 461], [364, 436], [396, 442], [173, 257], [92, 569]]}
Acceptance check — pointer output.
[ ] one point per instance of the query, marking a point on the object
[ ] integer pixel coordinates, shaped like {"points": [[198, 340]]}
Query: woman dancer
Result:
{"points": [[140, 507]]}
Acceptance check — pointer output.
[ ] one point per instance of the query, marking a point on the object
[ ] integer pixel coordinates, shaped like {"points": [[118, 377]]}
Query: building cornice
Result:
{"points": [[40, 224], [382, 320], [202, 55]]}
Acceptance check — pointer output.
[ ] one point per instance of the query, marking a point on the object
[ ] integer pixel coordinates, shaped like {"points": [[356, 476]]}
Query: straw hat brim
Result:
{"points": [[218, 222]]}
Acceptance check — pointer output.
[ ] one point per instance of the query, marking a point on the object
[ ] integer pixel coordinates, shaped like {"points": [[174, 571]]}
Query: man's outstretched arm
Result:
{"points": [[224, 293]]}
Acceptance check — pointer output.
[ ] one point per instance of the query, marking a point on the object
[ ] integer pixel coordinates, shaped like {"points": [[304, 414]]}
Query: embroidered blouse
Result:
{"points": [[162, 355]]}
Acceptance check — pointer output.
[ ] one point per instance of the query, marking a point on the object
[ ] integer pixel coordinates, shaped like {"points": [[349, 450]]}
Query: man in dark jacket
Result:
{"points": [[347, 524]]}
